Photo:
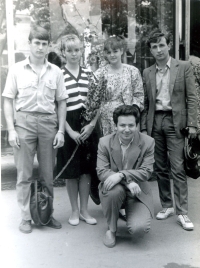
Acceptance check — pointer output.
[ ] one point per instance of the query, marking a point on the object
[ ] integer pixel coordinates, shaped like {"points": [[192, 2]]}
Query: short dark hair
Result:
{"points": [[40, 33], [155, 37], [125, 110]]}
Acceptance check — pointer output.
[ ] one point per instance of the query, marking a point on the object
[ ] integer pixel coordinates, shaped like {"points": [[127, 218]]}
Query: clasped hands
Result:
{"points": [[83, 135], [114, 179]]}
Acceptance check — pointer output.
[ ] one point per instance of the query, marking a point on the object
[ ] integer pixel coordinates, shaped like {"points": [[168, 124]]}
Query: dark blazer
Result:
{"points": [[139, 167], [182, 92]]}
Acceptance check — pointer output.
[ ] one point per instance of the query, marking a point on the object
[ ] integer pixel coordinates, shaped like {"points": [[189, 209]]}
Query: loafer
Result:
{"points": [[122, 217], [185, 222], [73, 222], [91, 221], [54, 224], [109, 239], [25, 226], [165, 213]]}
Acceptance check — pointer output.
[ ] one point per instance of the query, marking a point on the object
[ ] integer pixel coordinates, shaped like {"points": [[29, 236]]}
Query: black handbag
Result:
{"points": [[41, 204], [191, 160]]}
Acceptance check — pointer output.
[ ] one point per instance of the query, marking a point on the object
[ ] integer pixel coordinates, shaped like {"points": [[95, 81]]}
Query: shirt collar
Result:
{"points": [[122, 144], [27, 62], [167, 65]]}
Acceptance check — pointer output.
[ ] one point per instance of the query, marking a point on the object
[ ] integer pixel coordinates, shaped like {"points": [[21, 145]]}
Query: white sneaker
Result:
{"points": [[165, 213], [185, 222]]}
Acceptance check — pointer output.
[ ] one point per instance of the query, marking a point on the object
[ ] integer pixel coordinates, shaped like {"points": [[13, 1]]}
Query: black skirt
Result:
{"points": [[84, 160]]}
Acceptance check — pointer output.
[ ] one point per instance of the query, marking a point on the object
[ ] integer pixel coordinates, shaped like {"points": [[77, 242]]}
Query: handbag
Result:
{"points": [[41, 204], [191, 160]]}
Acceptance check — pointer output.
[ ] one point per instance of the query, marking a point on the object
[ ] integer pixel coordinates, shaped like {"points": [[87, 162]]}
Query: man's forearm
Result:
{"points": [[62, 115], [9, 113]]}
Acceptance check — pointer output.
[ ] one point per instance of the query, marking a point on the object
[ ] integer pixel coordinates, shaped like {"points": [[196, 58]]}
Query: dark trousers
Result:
{"points": [[167, 145]]}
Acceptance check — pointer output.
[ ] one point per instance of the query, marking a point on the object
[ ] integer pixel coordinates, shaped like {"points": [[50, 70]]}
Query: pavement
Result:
{"points": [[167, 245]]}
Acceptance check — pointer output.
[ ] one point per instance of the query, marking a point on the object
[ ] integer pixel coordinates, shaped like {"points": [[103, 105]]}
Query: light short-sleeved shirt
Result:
{"points": [[33, 93], [163, 100]]}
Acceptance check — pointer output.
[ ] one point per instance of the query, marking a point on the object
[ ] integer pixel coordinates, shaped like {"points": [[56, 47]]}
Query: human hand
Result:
{"points": [[86, 132], [191, 132], [112, 180], [58, 140], [13, 139], [75, 136], [134, 188]]}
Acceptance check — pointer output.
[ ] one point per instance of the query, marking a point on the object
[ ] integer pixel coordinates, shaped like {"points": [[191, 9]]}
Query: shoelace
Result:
{"points": [[185, 217], [164, 210]]}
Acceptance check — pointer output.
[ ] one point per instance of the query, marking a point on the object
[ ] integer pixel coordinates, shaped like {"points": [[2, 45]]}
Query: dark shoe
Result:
{"points": [[122, 217], [25, 227], [54, 224], [94, 194], [109, 239]]}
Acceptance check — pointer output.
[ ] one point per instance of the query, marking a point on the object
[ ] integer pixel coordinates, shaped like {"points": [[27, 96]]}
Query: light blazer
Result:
{"points": [[139, 167], [182, 93]]}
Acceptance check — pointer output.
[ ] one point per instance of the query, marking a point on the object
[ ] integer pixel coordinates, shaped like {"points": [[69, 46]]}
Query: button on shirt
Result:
{"points": [[33, 93], [163, 102]]}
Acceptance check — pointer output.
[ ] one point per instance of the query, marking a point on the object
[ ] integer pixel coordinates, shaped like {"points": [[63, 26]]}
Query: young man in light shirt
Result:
{"points": [[35, 86]]}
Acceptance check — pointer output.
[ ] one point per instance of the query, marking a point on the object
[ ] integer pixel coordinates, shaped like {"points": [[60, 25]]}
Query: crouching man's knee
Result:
{"points": [[138, 229], [117, 193]]}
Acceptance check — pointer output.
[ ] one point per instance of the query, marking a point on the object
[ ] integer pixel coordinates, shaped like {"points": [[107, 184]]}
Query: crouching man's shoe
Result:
{"points": [[185, 222], [25, 226], [109, 239], [165, 213], [54, 224]]}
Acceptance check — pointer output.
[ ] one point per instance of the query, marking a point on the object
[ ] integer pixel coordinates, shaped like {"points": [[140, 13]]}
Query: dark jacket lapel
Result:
{"points": [[173, 73], [152, 78]]}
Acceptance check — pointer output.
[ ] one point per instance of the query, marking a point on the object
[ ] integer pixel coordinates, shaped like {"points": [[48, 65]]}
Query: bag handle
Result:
{"points": [[36, 201], [61, 172]]}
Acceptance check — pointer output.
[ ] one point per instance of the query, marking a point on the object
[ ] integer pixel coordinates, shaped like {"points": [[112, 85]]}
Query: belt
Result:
{"points": [[35, 113], [163, 112]]}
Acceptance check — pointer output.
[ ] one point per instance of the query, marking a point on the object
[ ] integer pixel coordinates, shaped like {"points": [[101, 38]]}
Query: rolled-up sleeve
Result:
{"points": [[61, 92], [10, 90]]}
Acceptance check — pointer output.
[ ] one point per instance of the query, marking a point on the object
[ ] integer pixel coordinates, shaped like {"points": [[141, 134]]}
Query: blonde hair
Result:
{"points": [[69, 41]]}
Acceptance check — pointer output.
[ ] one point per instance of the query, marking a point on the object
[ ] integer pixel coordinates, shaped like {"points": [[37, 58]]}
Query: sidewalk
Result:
{"points": [[166, 245]]}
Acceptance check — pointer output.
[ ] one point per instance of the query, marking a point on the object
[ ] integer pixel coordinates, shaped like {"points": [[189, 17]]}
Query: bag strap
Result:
{"points": [[63, 169], [36, 202]]}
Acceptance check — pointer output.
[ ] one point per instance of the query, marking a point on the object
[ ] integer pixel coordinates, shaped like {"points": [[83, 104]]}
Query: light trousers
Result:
{"points": [[36, 132], [137, 214]]}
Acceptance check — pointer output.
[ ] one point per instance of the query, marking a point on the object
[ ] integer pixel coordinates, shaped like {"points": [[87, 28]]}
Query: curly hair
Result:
{"points": [[115, 42], [126, 110]]}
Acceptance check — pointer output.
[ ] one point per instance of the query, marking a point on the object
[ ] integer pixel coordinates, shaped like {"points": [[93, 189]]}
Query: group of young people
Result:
{"points": [[64, 112]]}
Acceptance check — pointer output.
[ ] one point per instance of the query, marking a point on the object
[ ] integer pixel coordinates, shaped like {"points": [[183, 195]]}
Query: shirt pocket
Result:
{"points": [[25, 89], [50, 89]]}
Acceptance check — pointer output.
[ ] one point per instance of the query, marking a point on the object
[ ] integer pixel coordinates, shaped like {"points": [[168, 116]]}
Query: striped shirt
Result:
{"points": [[77, 88]]}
